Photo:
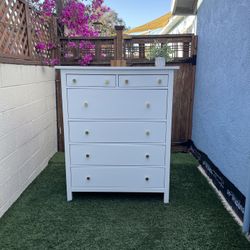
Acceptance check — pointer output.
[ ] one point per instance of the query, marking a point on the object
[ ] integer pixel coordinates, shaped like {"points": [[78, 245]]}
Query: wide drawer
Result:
{"points": [[117, 154], [91, 80], [117, 131], [117, 103], [143, 80], [118, 177]]}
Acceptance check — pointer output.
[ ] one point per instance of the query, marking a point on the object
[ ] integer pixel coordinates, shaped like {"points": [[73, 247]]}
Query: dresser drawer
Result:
{"points": [[143, 80], [117, 154], [117, 103], [117, 131], [91, 80], [118, 177]]}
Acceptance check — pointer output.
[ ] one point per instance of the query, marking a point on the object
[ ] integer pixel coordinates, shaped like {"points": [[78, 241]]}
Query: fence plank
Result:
{"points": [[29, 37], [60, 130]]}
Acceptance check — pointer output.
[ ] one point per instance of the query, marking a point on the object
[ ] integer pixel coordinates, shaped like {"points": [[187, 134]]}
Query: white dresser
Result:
{"points": [[117, 126]]}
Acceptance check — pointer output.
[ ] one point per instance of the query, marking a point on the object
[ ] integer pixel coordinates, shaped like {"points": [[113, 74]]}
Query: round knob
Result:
{"points": [[107, 82], [87, 156], [159, 81], [85, 104], [86, 132], [147, 156], [147, 133], [146, 178], [74, 81], [88, 178], [147, 105], [126, 81]]}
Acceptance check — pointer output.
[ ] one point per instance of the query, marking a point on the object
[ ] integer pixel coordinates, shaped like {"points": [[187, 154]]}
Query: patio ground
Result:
{"points": [[194, 219]]}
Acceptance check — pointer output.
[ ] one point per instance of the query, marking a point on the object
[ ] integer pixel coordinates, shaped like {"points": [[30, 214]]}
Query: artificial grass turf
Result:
{"points": [[194, 219]]}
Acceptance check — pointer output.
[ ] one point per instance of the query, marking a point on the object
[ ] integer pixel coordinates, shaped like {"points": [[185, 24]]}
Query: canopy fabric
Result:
{"points": [[153, 27]]}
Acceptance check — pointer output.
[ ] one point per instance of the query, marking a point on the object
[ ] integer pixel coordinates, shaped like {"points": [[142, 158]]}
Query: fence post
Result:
{"points": [[118, 48], [119, 42], [28, 25]]}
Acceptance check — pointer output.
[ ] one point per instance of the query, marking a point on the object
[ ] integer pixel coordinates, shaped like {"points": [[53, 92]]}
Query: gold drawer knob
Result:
{"points": [[88, 178], [107, 82], [74, 81], [85, 104], [147, 156], [146, 178], [126, 81], [87, 156], [86, 132], [147, 105], [147, 133]]}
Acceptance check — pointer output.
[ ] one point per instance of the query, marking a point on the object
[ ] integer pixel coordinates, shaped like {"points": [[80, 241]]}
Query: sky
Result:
{"points": [[138, 12]]}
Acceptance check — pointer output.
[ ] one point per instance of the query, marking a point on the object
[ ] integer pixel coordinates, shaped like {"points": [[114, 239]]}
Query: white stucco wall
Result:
{"points": [[27, 127], [221, 118]]}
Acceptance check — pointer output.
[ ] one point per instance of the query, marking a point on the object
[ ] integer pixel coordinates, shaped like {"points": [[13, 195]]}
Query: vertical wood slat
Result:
{"points": [[59, 113], [98, 51], [141, 50], [28, 26]]}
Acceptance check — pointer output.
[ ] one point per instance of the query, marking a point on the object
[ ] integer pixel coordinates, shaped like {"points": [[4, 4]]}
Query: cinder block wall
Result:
{"points": [[27, 127]]}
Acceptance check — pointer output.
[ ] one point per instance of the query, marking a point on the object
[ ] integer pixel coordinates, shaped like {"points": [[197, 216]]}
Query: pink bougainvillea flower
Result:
{"points": [[51, 45], [41, 46], [77, 17], [86, 59], [71, 44]]}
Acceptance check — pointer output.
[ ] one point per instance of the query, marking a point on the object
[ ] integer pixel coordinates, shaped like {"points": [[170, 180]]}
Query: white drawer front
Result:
{"points": [[117, 154], [118, 177], [117, 131], [143, 80], [121, 104], [91, 80]]}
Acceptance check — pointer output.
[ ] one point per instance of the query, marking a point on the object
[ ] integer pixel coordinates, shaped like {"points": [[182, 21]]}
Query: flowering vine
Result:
{"points": [[77, 17]]}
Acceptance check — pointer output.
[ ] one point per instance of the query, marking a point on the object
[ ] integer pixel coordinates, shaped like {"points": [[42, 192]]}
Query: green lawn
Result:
{"points": [[194, 219]]}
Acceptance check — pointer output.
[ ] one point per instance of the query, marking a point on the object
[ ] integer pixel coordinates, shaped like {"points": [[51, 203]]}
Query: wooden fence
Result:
{"points": [[21, 29], [135, 50], [18, 28]]}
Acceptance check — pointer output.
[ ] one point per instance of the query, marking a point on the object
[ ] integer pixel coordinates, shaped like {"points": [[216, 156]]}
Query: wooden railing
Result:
{"points": [[134, 49], [137, 48], [103, 51], [18, 26]]}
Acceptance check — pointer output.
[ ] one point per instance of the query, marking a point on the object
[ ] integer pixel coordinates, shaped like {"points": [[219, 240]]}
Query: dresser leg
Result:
{"points": [[69, 196], [166, 198]]}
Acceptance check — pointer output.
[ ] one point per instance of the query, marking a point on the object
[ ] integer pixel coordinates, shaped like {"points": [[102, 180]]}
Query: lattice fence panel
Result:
{"points": [[19, 25], [13, 40], [41, 32]]}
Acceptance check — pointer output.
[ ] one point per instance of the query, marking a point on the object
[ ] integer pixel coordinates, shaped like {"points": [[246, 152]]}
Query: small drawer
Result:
{"points": [[117, 104], [117, 154], [91, 80], [118, 177], [127, 81], [117, 131]]}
